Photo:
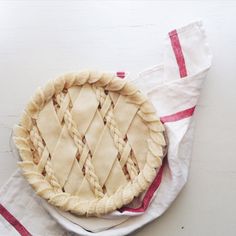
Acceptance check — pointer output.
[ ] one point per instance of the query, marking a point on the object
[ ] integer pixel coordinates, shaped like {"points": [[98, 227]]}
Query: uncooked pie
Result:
{"points": [[89, 143]]}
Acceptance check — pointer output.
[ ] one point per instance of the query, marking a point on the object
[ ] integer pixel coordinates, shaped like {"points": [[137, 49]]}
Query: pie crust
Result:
{"points": [[89, 142]]}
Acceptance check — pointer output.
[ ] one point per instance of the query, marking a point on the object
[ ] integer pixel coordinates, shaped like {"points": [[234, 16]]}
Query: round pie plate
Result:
{"points": [[89, 143]]}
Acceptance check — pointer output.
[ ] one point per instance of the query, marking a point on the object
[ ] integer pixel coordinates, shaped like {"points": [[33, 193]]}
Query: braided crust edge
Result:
{"points": [[124, 194]]}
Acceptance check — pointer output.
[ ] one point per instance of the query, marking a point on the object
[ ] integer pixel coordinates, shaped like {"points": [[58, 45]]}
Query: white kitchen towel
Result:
{"points": [[174, 88]]}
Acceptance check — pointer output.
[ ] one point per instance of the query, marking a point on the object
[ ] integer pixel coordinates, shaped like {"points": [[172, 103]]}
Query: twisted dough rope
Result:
{"points": [[89, 168], [123, 147], [124, 194], [39, 145]]}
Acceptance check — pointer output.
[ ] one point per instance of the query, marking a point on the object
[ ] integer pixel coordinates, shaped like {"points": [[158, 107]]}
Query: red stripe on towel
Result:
{"points": [[174, 38], [178, 116], [120, 74], [13, 221], [148, 195]]}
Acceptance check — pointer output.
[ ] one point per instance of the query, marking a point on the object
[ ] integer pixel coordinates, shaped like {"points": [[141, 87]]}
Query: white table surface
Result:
{"points": [[40, 40]]}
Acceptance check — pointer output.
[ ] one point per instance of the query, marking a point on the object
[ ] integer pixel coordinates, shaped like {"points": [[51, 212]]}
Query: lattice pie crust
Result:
{"points": [[89, 143]]}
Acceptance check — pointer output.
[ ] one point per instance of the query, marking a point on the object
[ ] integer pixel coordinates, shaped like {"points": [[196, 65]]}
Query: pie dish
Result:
{"points": [[89, 142]]}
